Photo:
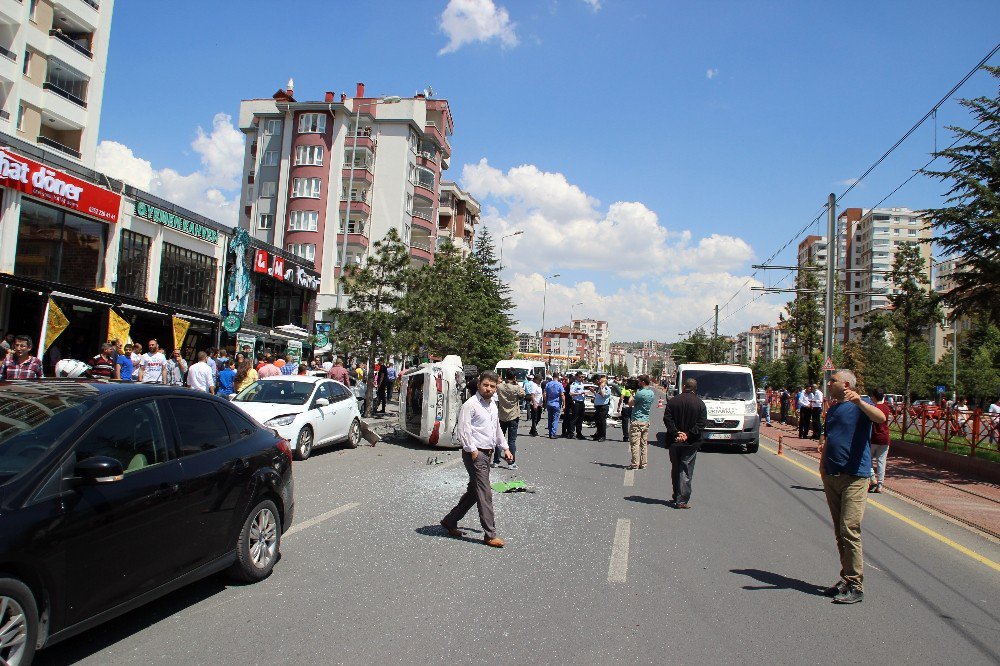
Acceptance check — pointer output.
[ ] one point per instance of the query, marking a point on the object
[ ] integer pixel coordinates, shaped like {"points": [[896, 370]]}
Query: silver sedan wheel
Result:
{"points": [[263, 538], [13, 632]]}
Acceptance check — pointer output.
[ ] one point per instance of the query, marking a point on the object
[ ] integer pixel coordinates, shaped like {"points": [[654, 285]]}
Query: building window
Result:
{"points": [[26, 65], [312, 123], [265, 221], [911, 232], [32, 7], [268, 189], [272, 126], [270, 158], [187, 278], [309, 155], [305, 187], [425, 177], [303, 220], [133, 264], [304, 250], [60, 247], [67, 81], [20, 117]]}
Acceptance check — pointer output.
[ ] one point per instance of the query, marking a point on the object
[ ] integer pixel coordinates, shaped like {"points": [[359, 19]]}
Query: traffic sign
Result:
{"points": [[829, 364], [940, 389]]}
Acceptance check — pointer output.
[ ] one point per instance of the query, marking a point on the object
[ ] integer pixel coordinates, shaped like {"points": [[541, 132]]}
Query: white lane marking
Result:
{"points": [[320, 518], [618, 566], [629, 478]]}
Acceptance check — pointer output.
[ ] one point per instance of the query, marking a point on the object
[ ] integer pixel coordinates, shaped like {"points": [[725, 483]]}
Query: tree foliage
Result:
{"points": [[970, 225], [915, 309], [805, 321]]}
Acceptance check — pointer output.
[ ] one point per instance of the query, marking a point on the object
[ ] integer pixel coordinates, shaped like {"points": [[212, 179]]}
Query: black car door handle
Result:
{"points": [[166, 490]]}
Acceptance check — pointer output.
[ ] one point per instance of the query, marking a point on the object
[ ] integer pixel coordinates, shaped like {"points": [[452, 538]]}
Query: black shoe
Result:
{"points": [[851, 596], [603, 439], [532, 433], [837, 589], [580, 437]]}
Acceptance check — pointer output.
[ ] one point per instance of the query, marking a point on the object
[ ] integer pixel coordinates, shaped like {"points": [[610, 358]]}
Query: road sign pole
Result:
{"points": [[831, 273]]}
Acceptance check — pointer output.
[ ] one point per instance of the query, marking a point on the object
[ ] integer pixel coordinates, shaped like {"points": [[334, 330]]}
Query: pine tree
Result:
{"points": [[915, 308], [805, 321], [371, 321], [493, 337], [971, 225]]}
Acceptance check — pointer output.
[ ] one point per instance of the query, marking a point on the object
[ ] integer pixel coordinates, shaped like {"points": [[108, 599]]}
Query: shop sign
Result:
{"points": [[285, 271], [232, 323], [294, 349], [61, 189], [168, 219], [244, 340], [322, 340]]}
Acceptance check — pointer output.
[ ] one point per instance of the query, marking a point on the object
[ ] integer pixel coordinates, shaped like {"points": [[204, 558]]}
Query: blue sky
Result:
{"points": [[650, 151]]}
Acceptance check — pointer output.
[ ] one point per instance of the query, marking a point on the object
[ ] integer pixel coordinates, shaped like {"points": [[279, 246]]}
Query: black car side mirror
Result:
{"points": [[99, 469]]}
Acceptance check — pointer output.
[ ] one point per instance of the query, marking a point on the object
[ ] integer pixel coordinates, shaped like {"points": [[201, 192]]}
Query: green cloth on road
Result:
{"points": [[508, 486]]}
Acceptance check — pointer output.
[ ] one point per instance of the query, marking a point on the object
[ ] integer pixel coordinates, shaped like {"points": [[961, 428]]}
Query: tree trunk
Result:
{"points": [[369, 378]]}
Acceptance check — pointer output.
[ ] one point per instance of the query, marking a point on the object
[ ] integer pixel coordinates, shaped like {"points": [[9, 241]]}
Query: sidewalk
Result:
{"points": [[974, 503]]}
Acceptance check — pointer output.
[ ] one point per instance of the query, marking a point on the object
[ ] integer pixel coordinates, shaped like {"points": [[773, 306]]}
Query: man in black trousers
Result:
{"points": [[684, 418]]}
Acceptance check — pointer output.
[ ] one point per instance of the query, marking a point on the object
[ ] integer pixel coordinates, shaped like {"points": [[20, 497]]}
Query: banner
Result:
{"points": [[180, 331], [294, 349], [245, 340], [57, 323], [118, 328], [61, 189]]}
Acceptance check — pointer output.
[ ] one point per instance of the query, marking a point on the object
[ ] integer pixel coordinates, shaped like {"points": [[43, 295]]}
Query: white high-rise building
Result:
{"points": [[599, 350], [53, 56]]}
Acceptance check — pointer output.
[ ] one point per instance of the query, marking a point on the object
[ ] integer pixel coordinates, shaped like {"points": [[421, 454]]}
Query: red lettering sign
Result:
{"points": [[260, 262], [61, 189], [279, 268]]}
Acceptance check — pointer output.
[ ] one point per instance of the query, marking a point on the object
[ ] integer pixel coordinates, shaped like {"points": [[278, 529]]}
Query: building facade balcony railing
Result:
{"points": [[7, 53], [4, 114], [362, 174], [93, 3], [428, 187], [46, 141], [62, 36], [64, 93], [423, 223], [356, 205]]}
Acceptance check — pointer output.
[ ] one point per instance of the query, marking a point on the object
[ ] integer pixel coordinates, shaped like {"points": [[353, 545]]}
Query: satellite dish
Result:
{"points": [[429, 92]]}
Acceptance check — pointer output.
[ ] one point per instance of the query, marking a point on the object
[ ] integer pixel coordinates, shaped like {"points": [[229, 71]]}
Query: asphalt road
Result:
{"points": [[595, 571]]}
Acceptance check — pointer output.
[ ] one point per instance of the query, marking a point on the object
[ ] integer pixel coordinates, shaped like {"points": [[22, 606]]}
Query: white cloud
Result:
{"points": [[564, 227], [712, 73], [213, 190], [641, 311], [848, 182], [467, 21], [594, 4]]}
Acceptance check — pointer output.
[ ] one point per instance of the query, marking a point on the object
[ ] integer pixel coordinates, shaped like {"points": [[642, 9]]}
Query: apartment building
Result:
{"points": [[879, 233], [599, 349], [848, 236], [565, 345], [941, 337], [317, 170], [53, 56], [458, 215], [529, 343], [812, 250]]}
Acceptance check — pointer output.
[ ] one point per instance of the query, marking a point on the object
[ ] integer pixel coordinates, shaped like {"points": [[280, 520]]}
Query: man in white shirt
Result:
{"points": [[136, 360], [994, 420], [816, 404], [153, 365], [534, 392], [478, 431], [200, 376], [805, 411]]}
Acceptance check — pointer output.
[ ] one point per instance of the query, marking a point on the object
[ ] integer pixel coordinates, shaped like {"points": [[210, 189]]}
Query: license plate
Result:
{"points": [[720, 435]]}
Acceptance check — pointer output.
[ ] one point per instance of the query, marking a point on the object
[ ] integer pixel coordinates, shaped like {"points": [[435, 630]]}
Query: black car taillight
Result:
{"points": [[284, 448]]}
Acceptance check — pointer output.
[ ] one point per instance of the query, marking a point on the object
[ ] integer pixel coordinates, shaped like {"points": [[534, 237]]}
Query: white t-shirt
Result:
{"points": [[152, 367], [136, 361], [200, 377], [327, 365]]}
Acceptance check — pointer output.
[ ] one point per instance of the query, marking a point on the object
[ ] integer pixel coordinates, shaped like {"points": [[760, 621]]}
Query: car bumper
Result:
{"points": [[750, 432]]}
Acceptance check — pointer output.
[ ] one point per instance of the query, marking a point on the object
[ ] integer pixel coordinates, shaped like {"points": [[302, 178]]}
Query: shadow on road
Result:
{"points": [[441, 533], [610, 465], [818, 490], [648, 500], [774, 581]]}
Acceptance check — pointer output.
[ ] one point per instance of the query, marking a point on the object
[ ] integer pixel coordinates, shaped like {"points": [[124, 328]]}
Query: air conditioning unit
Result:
{"points": [[426, 155]]}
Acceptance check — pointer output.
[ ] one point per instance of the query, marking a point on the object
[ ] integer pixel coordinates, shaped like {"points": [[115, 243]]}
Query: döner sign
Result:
{"points": [[59, 188], [168, 219], [285, 271]]}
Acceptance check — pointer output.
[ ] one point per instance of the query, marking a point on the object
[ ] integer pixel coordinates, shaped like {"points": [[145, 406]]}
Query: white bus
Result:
{"points": [[522, 368]]}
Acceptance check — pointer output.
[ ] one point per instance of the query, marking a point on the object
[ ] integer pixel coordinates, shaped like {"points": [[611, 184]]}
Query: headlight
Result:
{"points": [[281, 420], [751, 408]]}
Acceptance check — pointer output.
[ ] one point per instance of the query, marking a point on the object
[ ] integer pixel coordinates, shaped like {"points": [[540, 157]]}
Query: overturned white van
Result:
{"points": [[429, 399]]}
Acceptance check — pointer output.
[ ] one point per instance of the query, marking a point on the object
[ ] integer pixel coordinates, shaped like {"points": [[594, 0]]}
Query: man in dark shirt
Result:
{"points": [[684, 418], [845, 465]]}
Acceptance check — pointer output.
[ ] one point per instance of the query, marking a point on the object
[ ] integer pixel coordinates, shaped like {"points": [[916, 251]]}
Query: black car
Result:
{"points": [[113, 494]]}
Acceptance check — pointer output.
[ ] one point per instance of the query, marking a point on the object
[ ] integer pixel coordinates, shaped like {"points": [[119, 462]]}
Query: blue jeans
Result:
{"points": [[766, 413], [553, 420], [509, 428]]}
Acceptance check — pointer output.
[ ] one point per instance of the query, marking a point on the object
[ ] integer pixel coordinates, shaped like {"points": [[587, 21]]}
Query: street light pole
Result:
{"points": [[954, 360], [545, 292], [516, 233]]}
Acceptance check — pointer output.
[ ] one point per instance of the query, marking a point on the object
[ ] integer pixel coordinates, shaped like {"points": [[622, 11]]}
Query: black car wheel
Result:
{"points": [[259, 543], [354, 434], [18, 623], [753, 446], [304, 443]]}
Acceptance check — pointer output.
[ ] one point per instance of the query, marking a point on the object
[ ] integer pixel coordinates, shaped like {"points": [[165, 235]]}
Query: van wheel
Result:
{"points": [[258, 545], [753, 446], [18, 622]]}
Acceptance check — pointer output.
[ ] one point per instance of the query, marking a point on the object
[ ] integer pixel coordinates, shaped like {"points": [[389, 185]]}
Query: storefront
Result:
{"points": [[270, 298], [91, 263]]}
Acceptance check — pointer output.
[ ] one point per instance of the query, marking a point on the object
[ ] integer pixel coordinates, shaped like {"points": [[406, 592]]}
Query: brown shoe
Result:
{"points": [[452, 531], [493, 542], [683, 505]]}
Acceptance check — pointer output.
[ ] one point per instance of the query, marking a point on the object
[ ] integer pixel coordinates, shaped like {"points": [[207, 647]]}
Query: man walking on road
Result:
{"points": [[845, 466], [684, 418], [478, 431], [509, 397], [555, 401], [641, 404]]}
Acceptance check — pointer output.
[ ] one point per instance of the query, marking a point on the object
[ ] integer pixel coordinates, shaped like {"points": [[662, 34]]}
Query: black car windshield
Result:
{"points": [[33, 417], [721, 385], [278, 392]]}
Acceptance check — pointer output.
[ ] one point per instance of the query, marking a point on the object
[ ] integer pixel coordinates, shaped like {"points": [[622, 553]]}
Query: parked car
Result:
{"points": [[112, 495], [357, 387], [927, 408], [309, 411]]}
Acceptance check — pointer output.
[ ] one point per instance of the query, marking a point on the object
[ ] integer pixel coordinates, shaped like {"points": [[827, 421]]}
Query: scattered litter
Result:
{"points": [[515, 486], [434, 461]]}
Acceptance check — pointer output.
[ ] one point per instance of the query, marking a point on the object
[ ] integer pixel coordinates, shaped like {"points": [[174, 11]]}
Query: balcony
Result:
{"points": [[362, 174], [427, 160], [421, 252], [434, 131], [46, 141], [363, 141], [358, 205], [6, 53], [65, 94], [72, 43], [359, 240], [424, 188], [424, 221]]}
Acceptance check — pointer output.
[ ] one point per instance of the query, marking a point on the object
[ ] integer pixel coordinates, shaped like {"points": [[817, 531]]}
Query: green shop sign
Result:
{"points": [[168, 219]]}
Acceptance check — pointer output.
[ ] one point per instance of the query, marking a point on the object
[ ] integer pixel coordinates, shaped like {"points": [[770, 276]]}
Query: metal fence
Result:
{"points": [[973, 429]]}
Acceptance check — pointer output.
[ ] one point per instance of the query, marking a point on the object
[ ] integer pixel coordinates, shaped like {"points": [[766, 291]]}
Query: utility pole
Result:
{"points": [[832, 247], [715, 336]]}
